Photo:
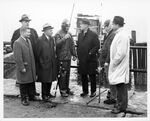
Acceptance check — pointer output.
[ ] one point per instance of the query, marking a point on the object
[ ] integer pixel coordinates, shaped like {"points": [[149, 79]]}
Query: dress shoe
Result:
{"points": [[70, 93], [51, 96], [46, 98], [108, 94], [37, 94], [25, 102], [84, 94], [110, 101], [93, 94], [34, 98], [116, 111], [64, 95]]}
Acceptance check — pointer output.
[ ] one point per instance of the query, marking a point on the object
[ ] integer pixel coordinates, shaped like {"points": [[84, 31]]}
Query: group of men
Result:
{"points": [[47, 58]]}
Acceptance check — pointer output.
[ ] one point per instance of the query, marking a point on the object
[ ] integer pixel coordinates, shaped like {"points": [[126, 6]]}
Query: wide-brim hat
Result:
{"points": [[24, 17], [47, 26], [85, 21], [118, 20]]}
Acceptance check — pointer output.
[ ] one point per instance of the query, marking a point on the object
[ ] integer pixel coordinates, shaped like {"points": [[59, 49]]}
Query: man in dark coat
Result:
{"points": [[87, 49], [105, 59], [33, 36], [65, 49], [45, 61], [26, 73]]}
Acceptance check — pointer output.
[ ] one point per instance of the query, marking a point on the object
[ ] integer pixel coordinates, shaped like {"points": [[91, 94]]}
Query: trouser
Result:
{"points": [[113, 91], [64, 75], [33, 86], [46, 87], [84, 79], [27, 90], [122, 96]]}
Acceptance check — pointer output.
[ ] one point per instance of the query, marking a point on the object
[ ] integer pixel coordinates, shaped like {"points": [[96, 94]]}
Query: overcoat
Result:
{"points": [[119, 58], [105, 51], [24, 58], [87, 49], [45, 59]]}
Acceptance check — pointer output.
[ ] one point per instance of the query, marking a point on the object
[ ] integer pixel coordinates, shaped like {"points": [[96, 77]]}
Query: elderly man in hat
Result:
{"points": [[45, 61], [65, 50], [105, 59], [119, 64], [33, 36], [87, 50]]}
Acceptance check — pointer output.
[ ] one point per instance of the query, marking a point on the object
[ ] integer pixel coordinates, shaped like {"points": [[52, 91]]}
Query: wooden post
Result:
{"points": [[133, 35]]}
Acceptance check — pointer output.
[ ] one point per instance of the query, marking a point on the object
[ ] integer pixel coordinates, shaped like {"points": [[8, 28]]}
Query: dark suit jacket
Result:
{"points": [[105, 51], [87, 49], [45, 59]]}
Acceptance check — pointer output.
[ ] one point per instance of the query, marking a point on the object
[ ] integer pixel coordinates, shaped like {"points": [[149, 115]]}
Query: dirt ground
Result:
{"points": [[14, 109]]}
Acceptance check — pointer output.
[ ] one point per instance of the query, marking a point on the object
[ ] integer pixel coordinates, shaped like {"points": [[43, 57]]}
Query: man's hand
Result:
{"points": [[106, 67], [67, 36], [23, 70], [74, 58]]}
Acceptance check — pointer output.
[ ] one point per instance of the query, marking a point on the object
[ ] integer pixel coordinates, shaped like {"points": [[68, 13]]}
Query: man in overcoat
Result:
{"points": [[65, 50], [119, 64], [105, 59], [33, 36], [87, 49], [45, 61], [25, 63]]}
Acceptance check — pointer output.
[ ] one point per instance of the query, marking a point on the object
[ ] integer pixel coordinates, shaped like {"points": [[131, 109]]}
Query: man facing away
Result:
{"points": [[87, 48], [65, 50], [119, 64], [33, 36], [105, 59], [25, 63]]}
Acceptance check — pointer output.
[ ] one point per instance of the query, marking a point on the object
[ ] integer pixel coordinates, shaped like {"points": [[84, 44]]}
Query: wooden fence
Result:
{"points": [[138, 63]]}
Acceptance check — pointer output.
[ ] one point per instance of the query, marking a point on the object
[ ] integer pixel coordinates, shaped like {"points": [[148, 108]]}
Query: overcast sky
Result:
{"points": [[54, 11]]}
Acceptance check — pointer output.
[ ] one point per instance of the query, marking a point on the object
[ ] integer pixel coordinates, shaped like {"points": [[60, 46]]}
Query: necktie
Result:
{"points": [[27, 41]]}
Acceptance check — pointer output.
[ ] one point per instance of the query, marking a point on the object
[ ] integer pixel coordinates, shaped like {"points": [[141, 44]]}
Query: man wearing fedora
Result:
{"points": [[45, 61], [65, 50], [87, 49], [33, 36], [119, 64]]}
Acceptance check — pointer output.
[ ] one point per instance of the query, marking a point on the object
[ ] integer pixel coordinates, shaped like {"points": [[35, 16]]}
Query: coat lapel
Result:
{"points": [[24, 42]]}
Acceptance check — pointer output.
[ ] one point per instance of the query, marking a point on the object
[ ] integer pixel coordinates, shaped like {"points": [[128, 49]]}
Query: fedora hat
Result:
{"points": [[47, 26], [118, 20], [24, 17]]}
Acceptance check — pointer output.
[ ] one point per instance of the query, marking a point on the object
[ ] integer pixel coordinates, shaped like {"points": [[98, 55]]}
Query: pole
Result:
{"points": [[71, 14]]}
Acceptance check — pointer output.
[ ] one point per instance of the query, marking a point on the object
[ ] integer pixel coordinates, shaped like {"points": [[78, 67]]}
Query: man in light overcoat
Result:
{"points": [[119, 64]]}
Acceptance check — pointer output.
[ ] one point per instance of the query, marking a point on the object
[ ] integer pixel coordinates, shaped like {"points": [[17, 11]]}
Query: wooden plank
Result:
{"points": [[138, 47], [139, 70]]}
